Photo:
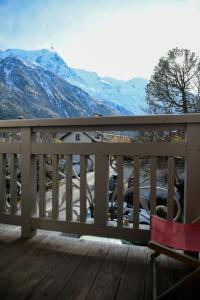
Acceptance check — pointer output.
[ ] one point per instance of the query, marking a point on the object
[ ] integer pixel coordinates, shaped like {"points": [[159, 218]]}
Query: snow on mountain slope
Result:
{"points": [[45, 58], [130, 94], [127, 95], [35, 92]]}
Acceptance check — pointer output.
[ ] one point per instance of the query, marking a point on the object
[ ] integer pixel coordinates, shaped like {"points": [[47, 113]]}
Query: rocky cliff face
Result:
{"points": [[32, 91]]}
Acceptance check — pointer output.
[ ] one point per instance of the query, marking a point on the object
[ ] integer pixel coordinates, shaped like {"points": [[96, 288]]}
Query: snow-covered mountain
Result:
{"points": [[128, 94], [45, 58], [32, 91]]}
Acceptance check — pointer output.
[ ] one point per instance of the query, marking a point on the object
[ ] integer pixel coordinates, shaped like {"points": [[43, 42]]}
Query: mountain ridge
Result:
{"points": [[129, 94], [33, 91]]}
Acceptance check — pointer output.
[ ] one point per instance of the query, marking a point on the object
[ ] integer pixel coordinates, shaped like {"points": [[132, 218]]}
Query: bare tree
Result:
{"points": [[174, 86]]}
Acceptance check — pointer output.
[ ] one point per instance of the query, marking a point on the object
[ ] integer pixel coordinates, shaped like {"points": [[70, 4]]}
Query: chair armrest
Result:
{"points": [[197, 220], [161, 249]]}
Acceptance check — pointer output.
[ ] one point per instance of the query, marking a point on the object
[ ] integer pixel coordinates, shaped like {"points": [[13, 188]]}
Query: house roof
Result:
{"points": [[85, 133], [107, 137]]}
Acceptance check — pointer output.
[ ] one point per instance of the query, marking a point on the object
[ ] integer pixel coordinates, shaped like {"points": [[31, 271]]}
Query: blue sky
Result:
{"points": [[122, 39]]}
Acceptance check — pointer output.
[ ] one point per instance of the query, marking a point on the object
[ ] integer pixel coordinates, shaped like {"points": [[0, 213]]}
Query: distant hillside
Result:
{"points": [[32, 91]]}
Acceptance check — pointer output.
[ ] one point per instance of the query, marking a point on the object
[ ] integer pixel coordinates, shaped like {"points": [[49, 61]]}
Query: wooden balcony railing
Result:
{"points": [[26, 145]]}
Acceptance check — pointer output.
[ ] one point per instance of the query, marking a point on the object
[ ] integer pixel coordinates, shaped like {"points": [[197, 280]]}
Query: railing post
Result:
{"points": [[28, 178], [192, 173]]}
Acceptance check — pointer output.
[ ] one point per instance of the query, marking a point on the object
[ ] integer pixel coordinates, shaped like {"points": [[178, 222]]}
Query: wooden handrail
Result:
{"points": [[104, 121]]}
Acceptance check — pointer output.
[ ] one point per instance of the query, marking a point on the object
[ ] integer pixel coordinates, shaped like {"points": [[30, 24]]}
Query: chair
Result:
{"points": [[166, 238]]}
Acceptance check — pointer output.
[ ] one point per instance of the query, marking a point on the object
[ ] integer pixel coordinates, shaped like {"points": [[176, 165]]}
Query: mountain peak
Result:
{"points": [[48, 59], [37, 92], [128, 94]]}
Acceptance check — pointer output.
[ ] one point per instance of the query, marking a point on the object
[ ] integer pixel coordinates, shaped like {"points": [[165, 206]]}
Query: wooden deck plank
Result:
{"points": [[108, 278], [55, 280], [12, 258], [42, 264], [27, 273], [132, 279], [16, 261], [162, 273], [14, 249], [55, 266], [148, 291], [79, 284]]}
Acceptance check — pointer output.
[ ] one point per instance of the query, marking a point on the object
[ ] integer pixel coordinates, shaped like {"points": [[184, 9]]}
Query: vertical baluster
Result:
{"points": [[34, 206], [101, 189], [55, 187], [2, 182], [68, 187], [13, 183], [42, 186], [136, 192], [120, 190], [153, 186], [170, 181], [83, 165]]}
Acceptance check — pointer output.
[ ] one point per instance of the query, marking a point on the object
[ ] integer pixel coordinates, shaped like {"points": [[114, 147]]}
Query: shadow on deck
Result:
{"points": [[52, 265]]}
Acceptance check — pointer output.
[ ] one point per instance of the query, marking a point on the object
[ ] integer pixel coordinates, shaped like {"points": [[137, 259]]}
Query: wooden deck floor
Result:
{"points": [[55, 266]]}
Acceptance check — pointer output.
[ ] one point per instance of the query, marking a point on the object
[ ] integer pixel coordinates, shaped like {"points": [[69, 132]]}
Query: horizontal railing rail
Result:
{"points": [[26, 160], [104, 121]]}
